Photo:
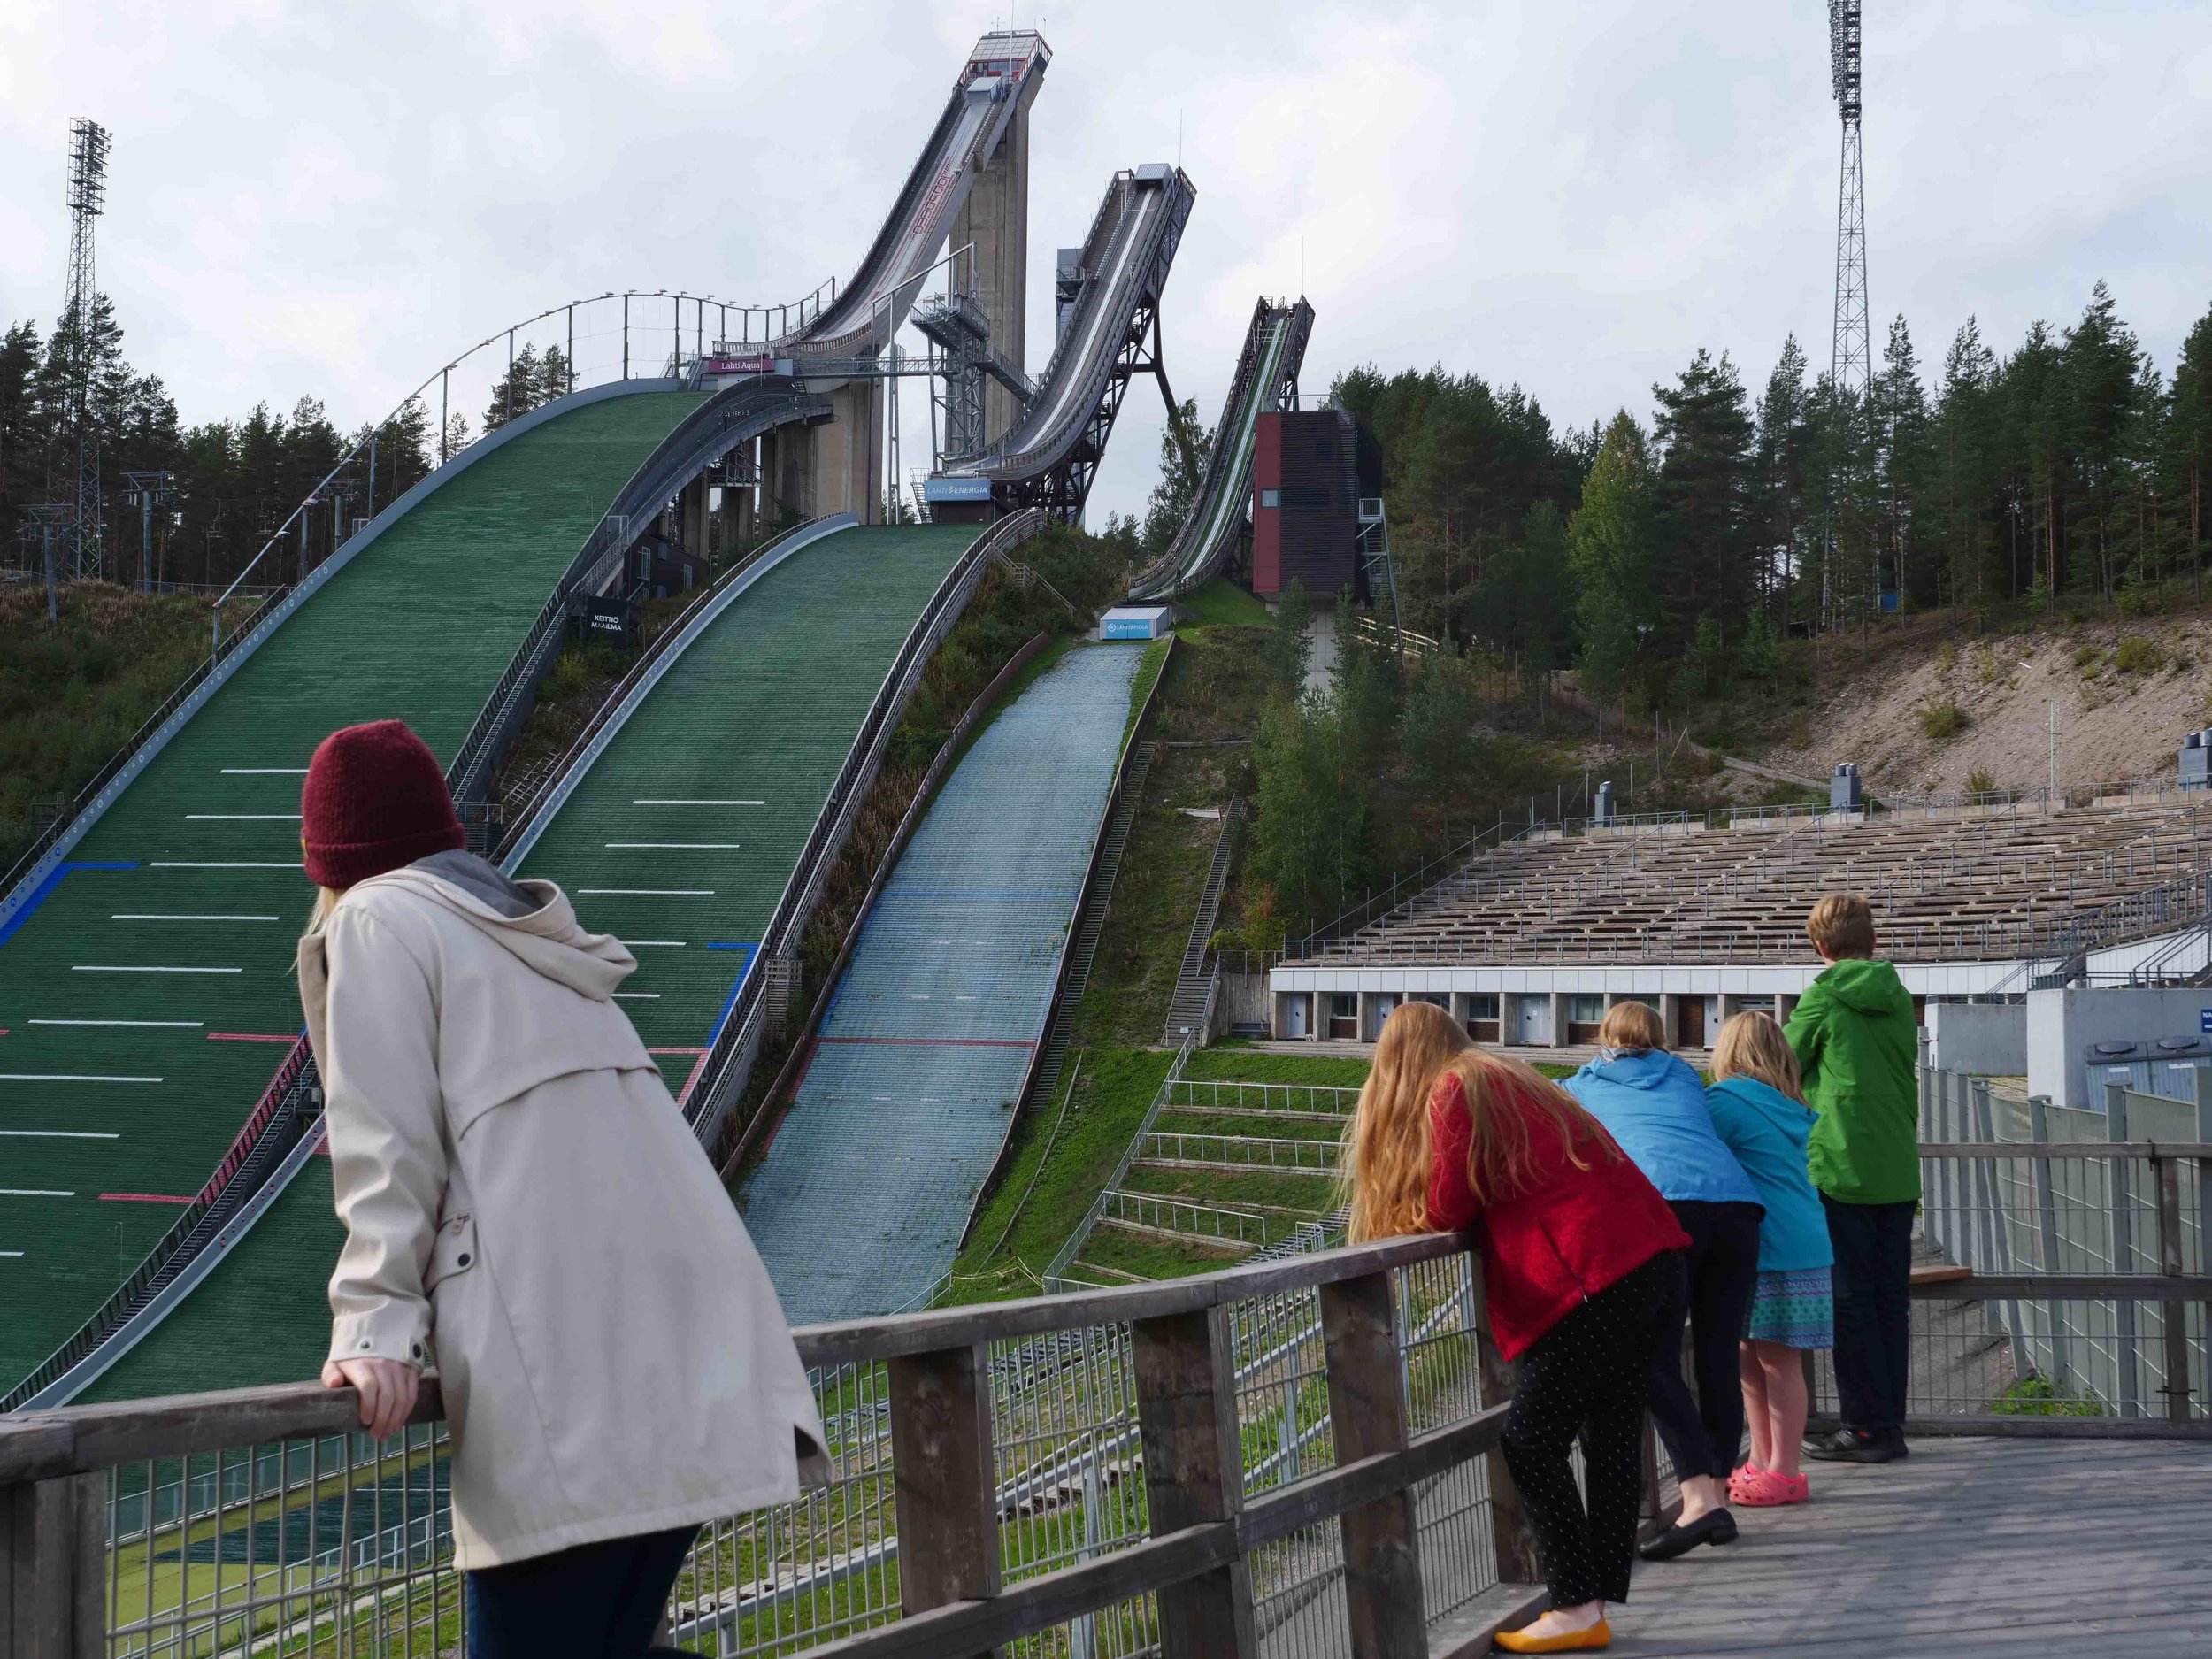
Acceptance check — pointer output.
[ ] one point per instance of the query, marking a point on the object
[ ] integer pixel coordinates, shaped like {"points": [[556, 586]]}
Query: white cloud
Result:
{"points": [[334, 200]]}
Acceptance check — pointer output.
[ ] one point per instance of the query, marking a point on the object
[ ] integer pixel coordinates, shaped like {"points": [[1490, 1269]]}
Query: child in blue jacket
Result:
{"points": [[1759, 1110]]}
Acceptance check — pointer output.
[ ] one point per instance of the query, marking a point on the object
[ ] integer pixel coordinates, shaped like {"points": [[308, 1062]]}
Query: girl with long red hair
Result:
{"points": [[1575, 1246]]}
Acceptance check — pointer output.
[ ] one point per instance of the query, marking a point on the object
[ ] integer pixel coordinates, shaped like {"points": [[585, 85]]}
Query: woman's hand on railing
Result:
{"points": [[388, 1388]]}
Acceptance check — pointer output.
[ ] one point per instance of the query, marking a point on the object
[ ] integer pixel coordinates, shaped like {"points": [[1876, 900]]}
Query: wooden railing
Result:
{"points": [[69, 1518]]}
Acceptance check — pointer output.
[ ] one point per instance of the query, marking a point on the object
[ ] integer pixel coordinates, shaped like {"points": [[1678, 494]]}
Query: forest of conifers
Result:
{"points": [[1662, 559], [236, 481]]}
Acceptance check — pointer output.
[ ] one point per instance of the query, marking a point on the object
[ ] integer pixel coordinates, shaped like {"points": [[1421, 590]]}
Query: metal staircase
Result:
{"points": [[1189, 1009], [1091, 922]]}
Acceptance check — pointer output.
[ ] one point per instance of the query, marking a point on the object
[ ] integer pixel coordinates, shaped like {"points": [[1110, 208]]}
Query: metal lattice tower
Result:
{"points": [[88, 191], [1852, 353]]}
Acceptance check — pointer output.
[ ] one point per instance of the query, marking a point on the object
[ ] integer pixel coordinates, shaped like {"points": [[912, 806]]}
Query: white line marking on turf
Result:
{"points": [[192, 1024], [246, 863], [82, 968], [241, 818], [671, 893], [63, 1134], [11, 1254], [680, 846], [69, 1076], [31, 1192], [638, 996], [698, 804], [673, 944], [264, 771], [163, 916]]}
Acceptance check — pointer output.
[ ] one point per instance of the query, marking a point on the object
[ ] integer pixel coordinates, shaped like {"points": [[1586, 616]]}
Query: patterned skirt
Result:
{"points": [[1795, 1309]]}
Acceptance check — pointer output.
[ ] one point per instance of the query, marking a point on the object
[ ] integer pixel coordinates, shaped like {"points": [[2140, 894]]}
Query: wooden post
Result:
{"points": [[53, 1560], [2047, 1223], [2127, 1353], [1367, 1411], [2173, 1315], [1194, 1473], [1511, 1536], [944, 1477]]}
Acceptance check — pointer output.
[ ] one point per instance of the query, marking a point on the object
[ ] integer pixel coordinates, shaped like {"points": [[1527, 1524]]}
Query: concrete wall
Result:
{"points": [[996, 218], [845, 463], [1985, 1039], [2061, 1024], [1243, 1000]]}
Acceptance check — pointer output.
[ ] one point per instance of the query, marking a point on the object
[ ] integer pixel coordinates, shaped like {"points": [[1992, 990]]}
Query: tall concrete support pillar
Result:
{"points": [[694, 518], [996, 218], [787, 474], [846, 470]]}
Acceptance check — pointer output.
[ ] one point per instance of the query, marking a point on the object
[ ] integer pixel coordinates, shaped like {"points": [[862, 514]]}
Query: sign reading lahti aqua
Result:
{"points": [[738, 365]]}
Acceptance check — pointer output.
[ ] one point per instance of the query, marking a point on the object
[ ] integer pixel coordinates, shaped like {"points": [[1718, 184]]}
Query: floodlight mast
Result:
{"points": [[1851, 352], [89, 145]]}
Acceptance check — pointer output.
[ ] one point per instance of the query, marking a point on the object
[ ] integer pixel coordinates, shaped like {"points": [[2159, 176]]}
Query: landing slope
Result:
{"points": [[905, 1104], [762, 708], [146, 1001]]}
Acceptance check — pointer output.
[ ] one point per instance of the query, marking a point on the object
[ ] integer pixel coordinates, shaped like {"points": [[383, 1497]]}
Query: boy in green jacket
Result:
{"points": [[1856, 1039]]}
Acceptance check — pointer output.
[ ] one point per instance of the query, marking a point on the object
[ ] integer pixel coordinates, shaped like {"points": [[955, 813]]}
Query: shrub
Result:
{"points": [[1946, 655], [1943, 721], [2085, 658], [2033, 1396], [2137, 655], [1800, 735], [1986, 671], [1979, 782]]}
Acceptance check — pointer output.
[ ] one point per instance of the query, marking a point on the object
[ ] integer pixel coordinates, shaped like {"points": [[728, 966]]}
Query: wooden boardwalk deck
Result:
{"points": [[1970, 1546]]}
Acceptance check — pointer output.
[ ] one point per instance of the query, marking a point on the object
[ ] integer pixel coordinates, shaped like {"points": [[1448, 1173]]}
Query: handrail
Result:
{"points": [[740, 410], [721, 1071]]}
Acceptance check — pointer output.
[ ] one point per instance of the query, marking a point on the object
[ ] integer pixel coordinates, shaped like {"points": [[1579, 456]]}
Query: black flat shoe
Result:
{"points": [[1856, 1445], [1715, 1526]]}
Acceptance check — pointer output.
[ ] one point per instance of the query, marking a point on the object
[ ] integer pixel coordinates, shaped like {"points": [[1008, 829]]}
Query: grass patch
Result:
{"points": [[1111, 1094], [1222, 604], [1156, 1258], [1261, 1190], [2136, 655], [1238, 1063], [1943, 721], [73, 692], [2035, 1397]]}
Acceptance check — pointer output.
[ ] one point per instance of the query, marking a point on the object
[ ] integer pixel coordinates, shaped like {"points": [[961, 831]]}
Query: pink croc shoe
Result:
{"points": [[1763, 1489], [1744, 1479]]}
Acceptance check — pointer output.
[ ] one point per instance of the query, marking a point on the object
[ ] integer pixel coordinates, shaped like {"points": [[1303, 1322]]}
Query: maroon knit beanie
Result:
{"points": [[375, 800]]}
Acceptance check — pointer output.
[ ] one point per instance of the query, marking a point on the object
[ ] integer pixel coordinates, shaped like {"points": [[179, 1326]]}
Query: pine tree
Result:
{"points": [[1899, 410], [1704, 565], [1287, 647], [1184, 447], [2188, 450], [1609, 557], [1778, 508], [516, 393], [556, 378]]}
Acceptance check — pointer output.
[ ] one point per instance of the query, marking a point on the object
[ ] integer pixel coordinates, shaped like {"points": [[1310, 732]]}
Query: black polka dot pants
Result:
{"points": [[1587, 1378]]}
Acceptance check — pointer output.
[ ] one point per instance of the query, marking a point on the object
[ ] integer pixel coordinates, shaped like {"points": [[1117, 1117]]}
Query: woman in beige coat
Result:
{"points": [[526, 1208]]}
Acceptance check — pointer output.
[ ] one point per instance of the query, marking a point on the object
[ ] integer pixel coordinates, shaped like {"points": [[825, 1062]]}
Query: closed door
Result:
{"points": [[1691, 1019], [1534, 1024], [1296, 1013]]}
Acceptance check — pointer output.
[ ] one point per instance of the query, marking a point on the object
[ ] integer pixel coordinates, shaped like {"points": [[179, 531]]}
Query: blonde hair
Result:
{"points": [[326, 901], [1390, 1149], [1752, 1045], [1842, 926], [1632, 1025]]}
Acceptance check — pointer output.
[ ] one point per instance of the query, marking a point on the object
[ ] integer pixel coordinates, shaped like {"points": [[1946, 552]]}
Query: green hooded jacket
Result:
{"points": [[1856, 1043]]}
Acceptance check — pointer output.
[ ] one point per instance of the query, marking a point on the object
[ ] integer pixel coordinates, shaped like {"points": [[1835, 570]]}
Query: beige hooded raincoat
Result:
{"points": [[527, 1209]]}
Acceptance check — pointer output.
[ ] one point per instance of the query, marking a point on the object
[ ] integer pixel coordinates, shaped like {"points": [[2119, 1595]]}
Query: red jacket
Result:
{"points": [[1552, 1247]]}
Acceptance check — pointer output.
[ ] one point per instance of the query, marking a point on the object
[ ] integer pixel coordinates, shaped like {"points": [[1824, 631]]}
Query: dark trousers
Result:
{"points": [[1873, 1289], [594, 1601], [1585, 1380], [1702, 1431]]}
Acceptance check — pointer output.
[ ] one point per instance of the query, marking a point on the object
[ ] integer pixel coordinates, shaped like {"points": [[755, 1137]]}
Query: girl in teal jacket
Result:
{"points": [[1759, 1110]]}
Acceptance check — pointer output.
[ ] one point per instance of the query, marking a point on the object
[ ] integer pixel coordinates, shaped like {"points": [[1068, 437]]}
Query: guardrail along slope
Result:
{"points": [[148, 994], [929, 1034], [763, 706]]}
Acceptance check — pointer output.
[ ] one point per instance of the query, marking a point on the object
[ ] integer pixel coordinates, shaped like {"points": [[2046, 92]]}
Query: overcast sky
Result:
{"points": [[335, 199]]}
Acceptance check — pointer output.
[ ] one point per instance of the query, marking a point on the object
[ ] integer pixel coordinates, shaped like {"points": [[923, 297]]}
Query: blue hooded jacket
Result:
{"points": [[1767, 1131], [1654, 1104]]}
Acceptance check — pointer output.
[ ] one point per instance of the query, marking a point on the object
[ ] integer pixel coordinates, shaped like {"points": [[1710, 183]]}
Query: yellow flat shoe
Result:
{"points": [[1599, 1635]]}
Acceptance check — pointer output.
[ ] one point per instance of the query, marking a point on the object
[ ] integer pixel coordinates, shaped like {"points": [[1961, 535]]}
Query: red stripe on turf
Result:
{"points": [[941, 1042], [143, 1198], [251, 1036]]}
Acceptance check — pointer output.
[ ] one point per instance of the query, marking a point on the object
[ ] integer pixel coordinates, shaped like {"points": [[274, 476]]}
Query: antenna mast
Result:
{"points": [[88, 191], [1852, 353]]}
